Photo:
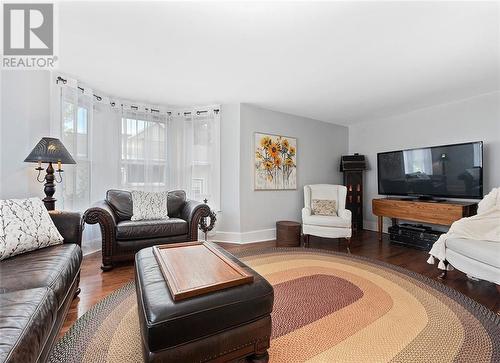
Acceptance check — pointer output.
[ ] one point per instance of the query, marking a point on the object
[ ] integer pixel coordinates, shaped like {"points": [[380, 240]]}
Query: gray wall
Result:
{"points": [[228, 219], [319, 147], [25, 119], [474, 119]]}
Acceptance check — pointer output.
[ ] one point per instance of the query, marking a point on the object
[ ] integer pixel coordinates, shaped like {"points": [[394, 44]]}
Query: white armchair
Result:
{"points": [[326, 226]]}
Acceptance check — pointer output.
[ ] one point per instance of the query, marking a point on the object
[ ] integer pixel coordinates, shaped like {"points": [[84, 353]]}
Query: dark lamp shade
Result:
{"points": [[50, 150]]}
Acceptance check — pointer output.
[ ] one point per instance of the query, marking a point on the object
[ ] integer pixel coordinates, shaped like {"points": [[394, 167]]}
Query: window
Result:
{"points": [[143, 153], [205, 169], [198, 186], [137, 147], [75, 136]]}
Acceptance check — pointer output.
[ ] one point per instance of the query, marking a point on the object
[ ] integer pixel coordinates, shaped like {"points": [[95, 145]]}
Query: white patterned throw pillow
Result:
{"points": [[149, 205], [25, 225]]}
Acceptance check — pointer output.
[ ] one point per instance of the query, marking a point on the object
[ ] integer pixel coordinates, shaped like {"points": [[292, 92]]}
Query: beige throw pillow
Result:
{"points": [[324, 207], [149, 205], [25, 225]]}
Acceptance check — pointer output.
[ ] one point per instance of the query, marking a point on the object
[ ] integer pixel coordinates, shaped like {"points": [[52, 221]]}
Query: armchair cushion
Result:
{"points": [[326, 221], [132, 230]]}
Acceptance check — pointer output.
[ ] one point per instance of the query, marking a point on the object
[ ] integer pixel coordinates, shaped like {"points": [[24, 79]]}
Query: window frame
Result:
{"points": [[79, 159], [126, 162]]}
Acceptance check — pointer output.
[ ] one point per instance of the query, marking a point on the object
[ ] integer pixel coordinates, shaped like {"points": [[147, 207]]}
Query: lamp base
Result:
{"points": [[49, 189], [50, 203]]}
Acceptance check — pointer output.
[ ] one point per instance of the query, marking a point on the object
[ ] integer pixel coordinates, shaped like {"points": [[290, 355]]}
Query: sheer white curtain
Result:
{"points": [[122, 144], [143, 156], [180, 152], [76, 114], [206, 156], [105, 149], [194, 154]]}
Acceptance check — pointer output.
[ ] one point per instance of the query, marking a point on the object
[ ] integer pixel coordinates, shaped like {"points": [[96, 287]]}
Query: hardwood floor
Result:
{"points": [[96, 284]]}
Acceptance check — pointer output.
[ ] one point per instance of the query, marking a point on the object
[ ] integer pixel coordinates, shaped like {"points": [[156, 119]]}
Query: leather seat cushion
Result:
{"points": [[55, 267], [26, 320], [132, 230], [486, 252], [132, 246], [327, 221], [166, 324]]}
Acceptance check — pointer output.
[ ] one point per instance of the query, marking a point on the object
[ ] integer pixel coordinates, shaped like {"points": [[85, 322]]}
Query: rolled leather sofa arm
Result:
{"points": [[69, 225], [192, 212], [102, 213]]}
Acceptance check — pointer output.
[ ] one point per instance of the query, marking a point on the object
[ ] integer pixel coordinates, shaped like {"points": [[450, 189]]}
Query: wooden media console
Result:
{"points": [[442, 213]]}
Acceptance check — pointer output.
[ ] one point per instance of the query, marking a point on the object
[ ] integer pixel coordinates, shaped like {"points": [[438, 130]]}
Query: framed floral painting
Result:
{"points": [[275, 162]]}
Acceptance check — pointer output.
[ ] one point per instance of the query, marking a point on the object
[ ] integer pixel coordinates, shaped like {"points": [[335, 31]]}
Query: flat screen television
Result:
{"points": [[448, 171]]}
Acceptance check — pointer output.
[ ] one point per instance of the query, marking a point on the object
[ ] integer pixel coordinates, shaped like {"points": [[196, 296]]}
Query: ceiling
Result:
{"points": [[341, 62]]}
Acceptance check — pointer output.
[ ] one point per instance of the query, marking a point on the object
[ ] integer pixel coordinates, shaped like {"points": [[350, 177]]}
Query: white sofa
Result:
{"points": [[326, 226], [477, 259], [472, 245]]}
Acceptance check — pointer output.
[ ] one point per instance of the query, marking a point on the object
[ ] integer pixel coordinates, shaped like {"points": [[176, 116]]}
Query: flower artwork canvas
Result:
{"points": [[275, 162]]}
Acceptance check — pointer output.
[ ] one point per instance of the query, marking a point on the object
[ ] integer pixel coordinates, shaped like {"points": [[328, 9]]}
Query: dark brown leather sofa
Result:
{"points": [[36, 290], [122, 237]]}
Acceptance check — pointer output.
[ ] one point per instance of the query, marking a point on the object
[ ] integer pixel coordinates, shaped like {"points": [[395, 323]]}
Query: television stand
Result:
{"points": [[421, 199], [427, 198], [443, 213]]}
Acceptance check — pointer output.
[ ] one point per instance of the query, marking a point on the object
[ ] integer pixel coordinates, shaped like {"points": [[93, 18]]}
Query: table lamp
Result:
{"points": [[50, 150]]}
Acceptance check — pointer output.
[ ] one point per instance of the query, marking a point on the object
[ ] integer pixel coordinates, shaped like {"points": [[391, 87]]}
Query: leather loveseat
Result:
{"points": [[122, 237], [36, 290]]}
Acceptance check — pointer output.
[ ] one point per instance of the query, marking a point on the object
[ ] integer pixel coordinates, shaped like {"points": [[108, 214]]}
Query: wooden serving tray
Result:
{"points": [[196, 268]]}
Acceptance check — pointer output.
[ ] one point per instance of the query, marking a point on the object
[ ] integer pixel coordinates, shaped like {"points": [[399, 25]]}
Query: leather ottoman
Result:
{"points": [[220, 326]]}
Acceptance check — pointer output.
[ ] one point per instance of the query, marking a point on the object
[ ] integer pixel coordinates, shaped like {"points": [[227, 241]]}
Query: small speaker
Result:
{"points": [[352, 162]]}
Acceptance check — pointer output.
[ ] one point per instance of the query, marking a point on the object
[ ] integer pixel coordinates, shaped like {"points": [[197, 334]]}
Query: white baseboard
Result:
{"points": [[91, 246], [370, 225], [94, 245], [245, 237]]}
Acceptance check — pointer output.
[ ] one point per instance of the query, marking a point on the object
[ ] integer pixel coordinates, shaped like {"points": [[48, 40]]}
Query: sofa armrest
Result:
{"points": [[306, 212], [345, 214], [102, 213], [192, 212], [69, 225]]}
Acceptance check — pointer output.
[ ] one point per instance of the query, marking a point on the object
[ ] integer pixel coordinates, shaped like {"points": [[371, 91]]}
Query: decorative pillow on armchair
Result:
{"points": [[149, 205], [324, 207], [25, 225]]}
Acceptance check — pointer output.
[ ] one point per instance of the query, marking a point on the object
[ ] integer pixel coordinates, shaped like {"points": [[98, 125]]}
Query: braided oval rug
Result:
{"points": [[329, 307]]}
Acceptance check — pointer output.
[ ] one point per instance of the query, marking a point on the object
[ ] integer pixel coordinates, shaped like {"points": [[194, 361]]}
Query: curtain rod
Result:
{"points": [[113, 104], [99, 98]]}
